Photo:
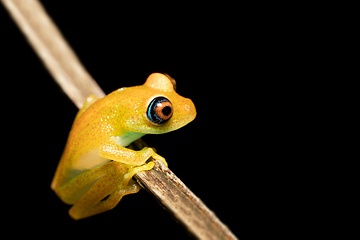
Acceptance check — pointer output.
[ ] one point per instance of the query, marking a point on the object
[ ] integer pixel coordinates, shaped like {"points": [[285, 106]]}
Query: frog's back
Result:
{"points": [[81, 150]]}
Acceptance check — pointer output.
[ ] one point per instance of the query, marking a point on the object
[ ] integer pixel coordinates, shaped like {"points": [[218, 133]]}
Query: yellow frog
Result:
{"points": [[97, 165]]}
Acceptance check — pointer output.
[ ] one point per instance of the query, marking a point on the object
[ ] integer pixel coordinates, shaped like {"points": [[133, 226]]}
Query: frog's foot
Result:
{"points": [[159, 158], [148, 153], [133, 170], [88, 101]]}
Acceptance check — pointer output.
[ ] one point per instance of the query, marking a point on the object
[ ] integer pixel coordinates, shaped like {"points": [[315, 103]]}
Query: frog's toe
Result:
{"points": [[159, 158], [133, 170]]}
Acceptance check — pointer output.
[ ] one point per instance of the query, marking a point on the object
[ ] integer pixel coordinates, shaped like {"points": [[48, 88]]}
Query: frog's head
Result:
{"points": [[159, 108]]}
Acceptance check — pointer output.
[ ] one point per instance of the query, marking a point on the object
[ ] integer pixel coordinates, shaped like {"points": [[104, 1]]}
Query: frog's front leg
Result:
{"points": [[112, 150]]}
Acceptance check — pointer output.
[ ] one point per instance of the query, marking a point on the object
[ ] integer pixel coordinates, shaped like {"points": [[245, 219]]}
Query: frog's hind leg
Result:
{"points": [[106, 193], [110, 201]]}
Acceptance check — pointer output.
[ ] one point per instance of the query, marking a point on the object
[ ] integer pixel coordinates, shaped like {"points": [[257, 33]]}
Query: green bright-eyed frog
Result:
{"points": [[97, 166]]}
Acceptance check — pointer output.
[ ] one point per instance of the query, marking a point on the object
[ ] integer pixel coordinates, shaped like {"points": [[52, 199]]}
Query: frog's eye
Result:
{"points": [[160, 110]]}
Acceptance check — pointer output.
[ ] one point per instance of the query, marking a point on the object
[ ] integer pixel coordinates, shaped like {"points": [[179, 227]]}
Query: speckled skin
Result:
{"points": [[96, 163]]}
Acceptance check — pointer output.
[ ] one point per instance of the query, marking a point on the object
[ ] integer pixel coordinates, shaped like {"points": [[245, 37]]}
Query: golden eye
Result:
{"points": [[160, 110]]}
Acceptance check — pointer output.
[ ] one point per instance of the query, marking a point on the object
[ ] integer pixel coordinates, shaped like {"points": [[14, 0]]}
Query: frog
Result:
{"points": [[104, 149]]}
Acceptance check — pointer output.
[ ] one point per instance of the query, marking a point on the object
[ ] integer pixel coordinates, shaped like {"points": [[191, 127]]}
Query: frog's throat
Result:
{"points": [[127, 138]]}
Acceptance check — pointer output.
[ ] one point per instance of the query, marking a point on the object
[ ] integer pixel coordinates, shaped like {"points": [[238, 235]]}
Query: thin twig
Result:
{"points": [[173, 194], [53, 50], [77, 83]]}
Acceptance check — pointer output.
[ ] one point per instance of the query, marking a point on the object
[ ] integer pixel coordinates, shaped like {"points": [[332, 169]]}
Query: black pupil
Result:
{"points": [[166, 110]]}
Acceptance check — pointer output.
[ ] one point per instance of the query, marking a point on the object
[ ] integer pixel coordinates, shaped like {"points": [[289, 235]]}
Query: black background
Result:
{"points": [[220, 60]]}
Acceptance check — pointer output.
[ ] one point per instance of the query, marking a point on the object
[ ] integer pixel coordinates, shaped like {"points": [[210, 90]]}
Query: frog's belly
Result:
{"points": [[89, 160], [85, 162]]}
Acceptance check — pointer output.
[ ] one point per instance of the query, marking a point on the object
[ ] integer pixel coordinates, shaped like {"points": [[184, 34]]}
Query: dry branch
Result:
{"points": [[77, 83]]}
